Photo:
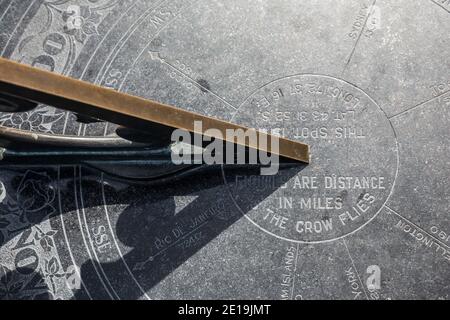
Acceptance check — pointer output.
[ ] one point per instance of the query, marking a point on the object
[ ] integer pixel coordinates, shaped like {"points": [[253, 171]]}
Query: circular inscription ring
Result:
{"points": [[354, 159]]}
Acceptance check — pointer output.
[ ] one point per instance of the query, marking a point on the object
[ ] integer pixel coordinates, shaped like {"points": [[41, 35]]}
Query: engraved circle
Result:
{"points": [[354, 160]]}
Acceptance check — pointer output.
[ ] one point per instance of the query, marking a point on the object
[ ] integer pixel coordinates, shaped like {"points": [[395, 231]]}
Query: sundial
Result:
{"points": [[364, 83]]}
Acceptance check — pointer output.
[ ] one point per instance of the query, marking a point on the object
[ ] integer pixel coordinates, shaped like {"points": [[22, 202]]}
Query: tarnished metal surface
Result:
{"points": [[364, 82], [120, 108]]}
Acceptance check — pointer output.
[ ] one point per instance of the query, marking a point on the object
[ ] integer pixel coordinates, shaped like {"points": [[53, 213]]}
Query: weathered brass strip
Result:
{"points": [[82, 97]]}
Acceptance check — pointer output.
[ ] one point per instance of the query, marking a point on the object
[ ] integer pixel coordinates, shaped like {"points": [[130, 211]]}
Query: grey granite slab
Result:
{"points": [[365, 83]]}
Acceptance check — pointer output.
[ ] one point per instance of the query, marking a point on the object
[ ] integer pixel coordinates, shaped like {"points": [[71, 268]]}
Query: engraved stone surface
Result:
{"points": [[365, 82], [355, 158]]}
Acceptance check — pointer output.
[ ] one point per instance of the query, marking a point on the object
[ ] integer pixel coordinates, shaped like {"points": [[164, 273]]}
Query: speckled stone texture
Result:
{"points": [[365, 83]]}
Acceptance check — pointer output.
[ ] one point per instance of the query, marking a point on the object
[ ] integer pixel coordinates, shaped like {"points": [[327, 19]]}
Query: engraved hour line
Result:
{"points": [[121, 42], [415, 225], [354, 268], [115, 240], [6, 11], [88, 233], [440, 5], [163, 61], [295, 271], [82, 232], [146, 47], [359, 38], [107, 5], [418, 105], [17, 26], [66, 237], [152, 257]]}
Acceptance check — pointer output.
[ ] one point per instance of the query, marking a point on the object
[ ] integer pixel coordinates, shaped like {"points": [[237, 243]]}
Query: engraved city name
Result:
{"points": [[425, 239]]}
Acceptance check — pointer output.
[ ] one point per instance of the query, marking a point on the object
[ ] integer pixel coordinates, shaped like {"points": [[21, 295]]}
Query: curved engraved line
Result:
{"points": [[100, 77], [195, 83], [70, 56], [115, 241], [123, 40], [349, 60], [294, 276], [82, 232], [17, 26], [176, 242], [89, 235], [134, 62], [66, 237], [393, 182], [72, 53], [64, 230], [107, 5], [354, 268], [181, 11], [115, 51], [440, 5], [418, 227], [156, 34]]}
